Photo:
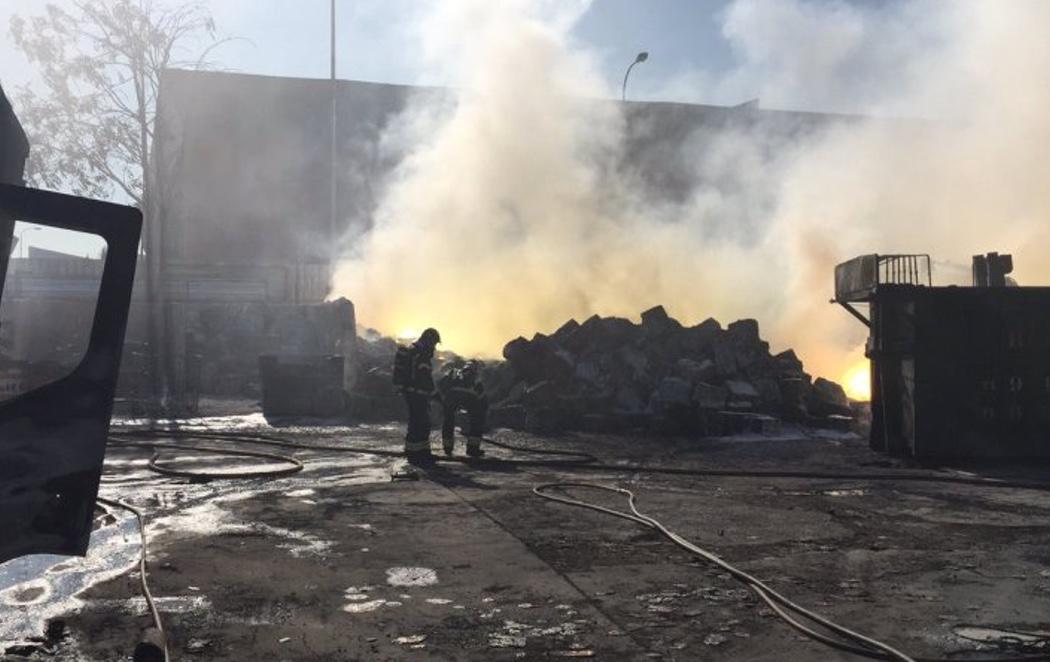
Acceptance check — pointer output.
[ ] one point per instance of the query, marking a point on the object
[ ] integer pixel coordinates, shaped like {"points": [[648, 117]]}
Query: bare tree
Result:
{"points": [[91, 123]]}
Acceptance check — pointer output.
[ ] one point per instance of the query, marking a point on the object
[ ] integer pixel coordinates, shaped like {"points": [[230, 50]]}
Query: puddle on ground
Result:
{"points": [[210, 519], [845, 492], [988, 635], [359, 600], [414, 641], [411, 577], [254, 422], [166, 604], [39, 587], [515, 635], [566, 629], [218, 466], [364, 607], [411, 639], [499, 640], [28, 595], [36, 588]]}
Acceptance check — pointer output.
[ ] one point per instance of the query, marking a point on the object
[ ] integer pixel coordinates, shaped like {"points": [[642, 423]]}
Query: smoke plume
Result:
{"points": [[517, 204]]}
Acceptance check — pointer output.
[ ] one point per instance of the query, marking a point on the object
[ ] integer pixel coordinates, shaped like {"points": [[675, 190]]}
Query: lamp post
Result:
{"points": [[641, 57], [334, 183], [21, 238]]}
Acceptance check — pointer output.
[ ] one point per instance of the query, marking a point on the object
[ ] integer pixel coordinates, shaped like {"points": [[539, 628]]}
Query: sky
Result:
{"points": [[376, 41]]}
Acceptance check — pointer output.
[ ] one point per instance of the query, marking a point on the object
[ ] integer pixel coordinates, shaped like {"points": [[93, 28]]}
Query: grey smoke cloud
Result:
{"points": [[518, 205]]}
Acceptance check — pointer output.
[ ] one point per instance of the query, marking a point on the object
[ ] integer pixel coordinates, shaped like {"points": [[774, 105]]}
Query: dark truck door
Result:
{"points": [[62, 323]]}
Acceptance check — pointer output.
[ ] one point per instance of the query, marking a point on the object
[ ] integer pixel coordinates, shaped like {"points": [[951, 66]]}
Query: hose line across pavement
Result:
{"points": [[802, 619], [850, 641], [561, 459], [143, 581]]}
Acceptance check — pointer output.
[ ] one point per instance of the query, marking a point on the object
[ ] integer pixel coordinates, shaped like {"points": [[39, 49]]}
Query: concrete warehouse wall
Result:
{"points": [[244, 162]]}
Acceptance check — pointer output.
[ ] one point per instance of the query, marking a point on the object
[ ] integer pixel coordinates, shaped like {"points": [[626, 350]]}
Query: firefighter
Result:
{"points": [[413, 376], [461, 389]]}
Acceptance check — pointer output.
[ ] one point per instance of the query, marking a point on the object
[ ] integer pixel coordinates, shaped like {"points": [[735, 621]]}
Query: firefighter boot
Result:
{"points": [[420, 458]]}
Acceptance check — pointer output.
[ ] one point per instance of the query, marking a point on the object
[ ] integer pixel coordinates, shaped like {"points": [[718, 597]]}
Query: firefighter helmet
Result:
{"points": [[430, 337]]}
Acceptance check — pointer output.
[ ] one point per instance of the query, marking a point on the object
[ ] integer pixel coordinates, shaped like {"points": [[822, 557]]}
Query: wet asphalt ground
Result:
{"points": [[339, 562]]}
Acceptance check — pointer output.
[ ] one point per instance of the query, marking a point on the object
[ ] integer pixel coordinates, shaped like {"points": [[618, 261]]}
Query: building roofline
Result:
{"points": [[748, 107]]}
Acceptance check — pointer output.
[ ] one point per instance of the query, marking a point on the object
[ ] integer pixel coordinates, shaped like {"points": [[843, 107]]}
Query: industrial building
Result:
{"points": [[323, 152]]}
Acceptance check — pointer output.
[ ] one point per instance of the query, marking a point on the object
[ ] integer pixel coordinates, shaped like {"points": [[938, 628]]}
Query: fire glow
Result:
{"points": [[857, 381]]}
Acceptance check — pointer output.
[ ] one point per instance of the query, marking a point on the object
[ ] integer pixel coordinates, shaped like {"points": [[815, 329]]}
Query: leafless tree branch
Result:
{"points": [[91, 125]]}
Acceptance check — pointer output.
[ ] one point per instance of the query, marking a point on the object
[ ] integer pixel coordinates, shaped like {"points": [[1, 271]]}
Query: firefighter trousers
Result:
{"points": [[417, 438], [476, 407]]}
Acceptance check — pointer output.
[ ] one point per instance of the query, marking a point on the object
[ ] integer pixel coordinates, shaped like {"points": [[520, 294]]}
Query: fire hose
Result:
{"points": [[573, 460], [774, 599], [795, 615], [162, 642], [148, 439], [850, 641]]}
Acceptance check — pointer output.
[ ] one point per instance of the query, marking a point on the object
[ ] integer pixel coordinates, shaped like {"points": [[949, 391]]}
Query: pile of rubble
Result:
{"points": [[610, 374]]}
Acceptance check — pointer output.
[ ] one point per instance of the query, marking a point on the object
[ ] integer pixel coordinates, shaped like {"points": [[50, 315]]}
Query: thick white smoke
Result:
{"points": [[967, 177], [517, 206]]}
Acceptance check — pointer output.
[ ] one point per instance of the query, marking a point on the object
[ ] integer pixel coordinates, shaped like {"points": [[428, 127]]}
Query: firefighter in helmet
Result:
{"points": [[461, 389], [413, 376]]}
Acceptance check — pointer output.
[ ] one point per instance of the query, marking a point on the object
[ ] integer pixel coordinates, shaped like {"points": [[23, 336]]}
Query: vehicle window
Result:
{"points": [[47, 305]]}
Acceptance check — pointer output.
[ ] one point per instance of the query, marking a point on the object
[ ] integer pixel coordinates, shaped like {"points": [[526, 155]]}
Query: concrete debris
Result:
{"points": [[609, 374]]}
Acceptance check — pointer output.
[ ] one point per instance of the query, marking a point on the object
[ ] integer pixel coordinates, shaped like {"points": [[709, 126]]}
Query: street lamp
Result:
{"points": [[641, 57], [21, 238], [333, 184]]}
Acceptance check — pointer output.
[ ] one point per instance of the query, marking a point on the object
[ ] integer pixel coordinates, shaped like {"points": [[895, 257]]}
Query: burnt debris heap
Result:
{"points": [[609, 373]]}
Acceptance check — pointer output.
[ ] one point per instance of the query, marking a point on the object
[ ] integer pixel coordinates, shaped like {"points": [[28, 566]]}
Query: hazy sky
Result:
{"points": [[376, 41]]}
